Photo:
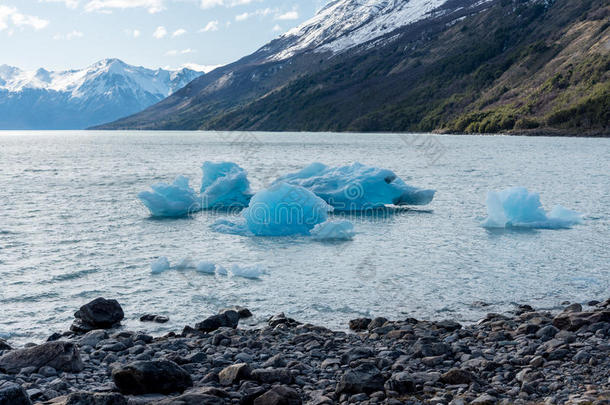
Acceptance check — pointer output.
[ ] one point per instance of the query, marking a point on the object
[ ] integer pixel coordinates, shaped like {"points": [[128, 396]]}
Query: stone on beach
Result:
{"points": [[13, 394], [227, 319], [60, 355], [145, 377], [99, 314]]}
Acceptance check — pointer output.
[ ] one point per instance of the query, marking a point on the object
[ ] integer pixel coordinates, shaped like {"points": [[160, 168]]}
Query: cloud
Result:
{"points": [[277, 28], [200, 68], [153, 6], [133, 33], [174, 52], [242, 17], [211, 26], [12, 16], [69, 36], [69, 3], [179, 32], [160, 32], [205, 4], [290, 15]]}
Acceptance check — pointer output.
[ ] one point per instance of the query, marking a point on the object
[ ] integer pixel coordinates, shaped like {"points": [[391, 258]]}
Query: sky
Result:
{"points": [[73, 34]]}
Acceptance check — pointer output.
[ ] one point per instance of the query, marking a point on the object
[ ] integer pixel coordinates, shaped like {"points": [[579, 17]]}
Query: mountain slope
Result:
{"points": [[75, 99], [466, 66]]}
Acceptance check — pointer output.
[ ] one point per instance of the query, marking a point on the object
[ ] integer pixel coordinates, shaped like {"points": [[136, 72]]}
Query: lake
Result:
{"points": [[72, 229]]}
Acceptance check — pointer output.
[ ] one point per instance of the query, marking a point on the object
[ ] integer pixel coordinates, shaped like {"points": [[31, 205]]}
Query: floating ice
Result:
{"points": [[224, 185], [186, 264], [247, 271], [171, 200], [221, 271], [357, 187], [284, 209], [206, 267], [518, 208], [333, 230], [160, 265]]}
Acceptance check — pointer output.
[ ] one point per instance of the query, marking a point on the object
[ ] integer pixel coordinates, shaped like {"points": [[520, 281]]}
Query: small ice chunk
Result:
{"points": [[357, 187], [518, 208], [206, 267], [186, 264], [333, 230], [221, 271], [224, 185], [171, 200], [247, 271], [160, 265], [234, 226]]}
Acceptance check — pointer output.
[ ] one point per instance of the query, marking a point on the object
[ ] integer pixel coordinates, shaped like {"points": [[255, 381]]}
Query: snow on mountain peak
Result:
{"points": [[343, 24], [103, 77]]}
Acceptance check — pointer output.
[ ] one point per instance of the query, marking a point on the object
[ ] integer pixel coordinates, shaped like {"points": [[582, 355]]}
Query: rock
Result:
{"points": [[456, 376], [157, 376], [47, 371], [100, 313], [281, 319], [4, 345], [359, 324], [60, 355], [272, 375], [228, 319], [427, 347], [13, 394], [593, 303], [279, 395], [365, 378], [93, 338], [547, 332], [276, 361], [198, 396], [573, 321], [243, 312], [376, 323], [449, 325], [401, 383], [154, 318], [95, 398], [484, 399], [234, 374], [357, 353], [573, 308]]}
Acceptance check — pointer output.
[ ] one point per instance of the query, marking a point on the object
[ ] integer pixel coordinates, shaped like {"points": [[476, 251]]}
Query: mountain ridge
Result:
{"points": [[79, 98], [534, 67]]}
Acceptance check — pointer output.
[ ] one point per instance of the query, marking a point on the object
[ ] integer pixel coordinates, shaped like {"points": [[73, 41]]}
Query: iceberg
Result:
{"points": [[251, 272], [221, 271], [357, 187], [206, 267], [333, 230], [171, 200], [518, 208], [224, 185], [186, 264], [160, 265]]}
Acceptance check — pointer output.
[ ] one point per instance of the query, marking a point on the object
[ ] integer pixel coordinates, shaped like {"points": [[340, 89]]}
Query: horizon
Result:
{"points": [[60, 35]]}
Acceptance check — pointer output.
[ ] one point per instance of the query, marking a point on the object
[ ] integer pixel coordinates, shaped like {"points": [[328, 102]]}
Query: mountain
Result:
{"points": [[76, 99], [460, 66]]}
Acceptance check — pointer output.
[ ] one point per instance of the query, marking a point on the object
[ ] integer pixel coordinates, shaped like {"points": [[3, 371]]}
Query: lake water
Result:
{"points": [[72, 229]]}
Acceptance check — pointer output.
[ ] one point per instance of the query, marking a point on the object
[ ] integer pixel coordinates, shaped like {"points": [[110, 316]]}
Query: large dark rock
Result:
{"points": [[359, 324], [243, 312], [100, 313], [428, 347], [282, 319], [13, 394], [456, 376], [279, 395], [4, 345], [146, 377], [401, 382], [365, 378], [62, 356], [95, 398], [198, 396], [227, 319], [575, 320], [357, 353], [272, 375]]}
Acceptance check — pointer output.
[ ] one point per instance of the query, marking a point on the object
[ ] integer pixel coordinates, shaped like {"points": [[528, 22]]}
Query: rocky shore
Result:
{"points": [[526, 357]]}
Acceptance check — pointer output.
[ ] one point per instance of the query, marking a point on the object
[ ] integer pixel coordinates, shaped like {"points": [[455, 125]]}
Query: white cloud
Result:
{"points": [[260, 13], [290, 15], [174, 52], [69, 36], [242, 17], [153, 6], [205, 4], [179, 32], [160, 32], [200, 68], [277, 28], [69, 3], [211, 26], [12, 16]]}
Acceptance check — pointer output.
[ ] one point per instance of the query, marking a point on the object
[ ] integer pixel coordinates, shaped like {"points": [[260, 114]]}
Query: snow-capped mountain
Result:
{"points": [[74, 99], [343, 24]]}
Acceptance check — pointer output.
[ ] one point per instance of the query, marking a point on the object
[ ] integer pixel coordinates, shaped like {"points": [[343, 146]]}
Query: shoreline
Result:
{"points": [[525, 357]]}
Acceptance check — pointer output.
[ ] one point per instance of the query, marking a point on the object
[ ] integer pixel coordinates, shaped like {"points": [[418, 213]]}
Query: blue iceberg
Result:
{"points": [[518, 208], [171, 200], [224, 185], [160, 265], [357, 187], [281, 210]]}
